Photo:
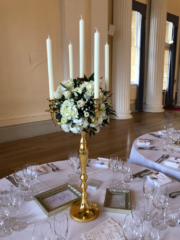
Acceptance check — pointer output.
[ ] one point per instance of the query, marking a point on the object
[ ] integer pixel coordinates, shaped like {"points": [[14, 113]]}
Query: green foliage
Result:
{"points": [[63, 86]]}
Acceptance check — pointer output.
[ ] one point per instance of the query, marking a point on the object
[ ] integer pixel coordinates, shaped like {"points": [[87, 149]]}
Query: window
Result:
{"points": [[135, 46], [168, 42]]}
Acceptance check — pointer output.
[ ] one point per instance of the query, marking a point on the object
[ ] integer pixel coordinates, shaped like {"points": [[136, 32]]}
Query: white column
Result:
{"points": [[156, 56], [121, 64]]}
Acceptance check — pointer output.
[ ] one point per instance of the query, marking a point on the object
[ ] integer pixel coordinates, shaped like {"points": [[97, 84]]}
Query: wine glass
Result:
{"points": [[132, 227], [151, 233], [128, 177], [27, 175], [148, 190], [113, 166], [17, 199], [74, 163], [4, 231], [7, 203], [42, 231], [161, 201], [125, 168], [138, 208], [32, 167], [61, 225], [20, 179]]}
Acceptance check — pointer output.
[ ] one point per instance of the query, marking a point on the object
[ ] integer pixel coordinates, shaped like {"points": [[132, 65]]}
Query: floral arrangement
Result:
{"points": [[74, 99]]}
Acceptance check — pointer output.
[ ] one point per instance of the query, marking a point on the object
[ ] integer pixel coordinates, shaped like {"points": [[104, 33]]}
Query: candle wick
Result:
{"points": [[48, 36], [96, 29], [81, 17], [70, 42]]}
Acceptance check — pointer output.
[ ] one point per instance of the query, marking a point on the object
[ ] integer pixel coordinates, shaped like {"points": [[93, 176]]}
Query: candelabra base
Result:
{"points": [[86, 214]]}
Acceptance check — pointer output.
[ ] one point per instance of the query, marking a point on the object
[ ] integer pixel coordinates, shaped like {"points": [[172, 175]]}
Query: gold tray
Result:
{"points": [[117, 201]]}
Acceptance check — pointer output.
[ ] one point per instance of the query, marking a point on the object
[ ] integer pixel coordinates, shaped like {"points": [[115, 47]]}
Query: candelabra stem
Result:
{"points": [[84, 211]]}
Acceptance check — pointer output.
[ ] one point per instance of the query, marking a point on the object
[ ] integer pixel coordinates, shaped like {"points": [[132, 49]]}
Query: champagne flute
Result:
{"points": [[161, 202], [32, 167], [17, 202], [114, 168], [27, 175], [125, 168], [148, 189]]}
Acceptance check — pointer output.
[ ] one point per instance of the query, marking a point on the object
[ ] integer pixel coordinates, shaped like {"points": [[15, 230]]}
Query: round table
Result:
{"points": [[32, 213], [147, 158]]}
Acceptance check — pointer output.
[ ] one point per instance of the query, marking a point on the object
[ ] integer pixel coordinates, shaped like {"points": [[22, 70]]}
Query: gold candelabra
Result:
{"points": [[83, 210]]}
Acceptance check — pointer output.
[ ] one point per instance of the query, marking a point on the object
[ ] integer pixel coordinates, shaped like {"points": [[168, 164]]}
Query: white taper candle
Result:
{"points": [[106, 67], [96, 63], [50, 67], [81, 48], [71, 60]]}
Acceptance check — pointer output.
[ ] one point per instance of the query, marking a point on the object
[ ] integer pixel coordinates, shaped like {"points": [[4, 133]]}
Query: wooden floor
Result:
{"points": [[116, 138]]}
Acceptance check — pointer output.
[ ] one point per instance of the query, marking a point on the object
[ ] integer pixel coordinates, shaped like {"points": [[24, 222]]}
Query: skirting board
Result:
{"points": [[27, 130]]}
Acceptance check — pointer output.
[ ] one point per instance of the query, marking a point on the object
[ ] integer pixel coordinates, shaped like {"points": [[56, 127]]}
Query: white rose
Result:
{"points": [[86, 114], [76, 129], [77, 89], [85, 123], [79, 121], [81, 103], [65, 127], [63, 120], [58, 95], [67, 94], [102, 106], [69, 110], [101, 95], [69, 84]]}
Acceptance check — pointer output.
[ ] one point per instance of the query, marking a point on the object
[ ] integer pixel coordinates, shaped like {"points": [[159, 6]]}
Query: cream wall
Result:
{"points": [[25, 26]]}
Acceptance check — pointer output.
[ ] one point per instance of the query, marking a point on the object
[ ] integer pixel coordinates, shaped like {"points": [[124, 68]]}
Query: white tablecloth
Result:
{"points": [[147, 158], [32, 213]]}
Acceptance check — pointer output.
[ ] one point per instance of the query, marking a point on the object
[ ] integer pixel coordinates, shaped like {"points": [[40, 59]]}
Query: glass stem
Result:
{"points": [[123, 179], [17, 212], [2, 223], [147, 207], [164, 215], [158, 233], [29, 186]]}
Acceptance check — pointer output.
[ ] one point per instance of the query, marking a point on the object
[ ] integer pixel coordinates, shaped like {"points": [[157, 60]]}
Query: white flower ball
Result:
{"points": [[67, 94], [81, 103]]}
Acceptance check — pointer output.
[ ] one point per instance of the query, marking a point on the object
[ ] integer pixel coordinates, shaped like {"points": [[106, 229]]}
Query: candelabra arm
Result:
{"points": [[53, 111], [95, 110]]}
